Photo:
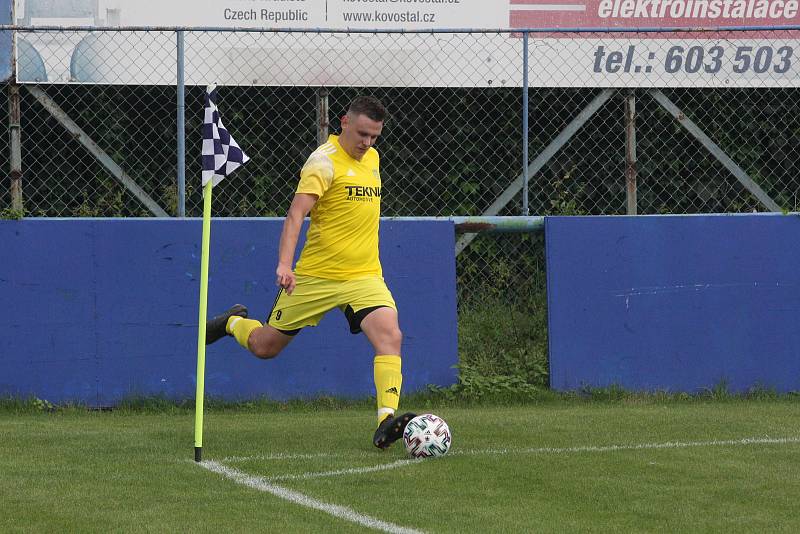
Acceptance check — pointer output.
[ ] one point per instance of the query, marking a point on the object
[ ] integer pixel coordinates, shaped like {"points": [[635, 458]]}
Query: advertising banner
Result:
{"points": [[5, 40], [575, 59]]}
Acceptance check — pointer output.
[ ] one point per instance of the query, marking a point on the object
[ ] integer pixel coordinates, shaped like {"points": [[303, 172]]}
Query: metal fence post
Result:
{"points": [[16, 147], [181, 128], [525, 177], [323, 120], [630, 151]]}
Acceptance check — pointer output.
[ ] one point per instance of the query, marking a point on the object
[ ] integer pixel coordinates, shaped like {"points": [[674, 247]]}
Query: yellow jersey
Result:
{"points": [[342, 240]]}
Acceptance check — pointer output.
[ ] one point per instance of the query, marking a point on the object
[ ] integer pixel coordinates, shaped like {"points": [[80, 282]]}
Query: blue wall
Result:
{"points": [[674, 302], [95, 310]]}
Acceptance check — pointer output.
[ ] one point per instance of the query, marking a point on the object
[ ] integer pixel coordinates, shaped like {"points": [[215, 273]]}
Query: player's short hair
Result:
{"points": [[369, 106]]}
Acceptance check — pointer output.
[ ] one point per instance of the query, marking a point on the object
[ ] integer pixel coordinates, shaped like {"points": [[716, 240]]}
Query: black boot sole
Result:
{"points": [[215, 328], [391, 430]]}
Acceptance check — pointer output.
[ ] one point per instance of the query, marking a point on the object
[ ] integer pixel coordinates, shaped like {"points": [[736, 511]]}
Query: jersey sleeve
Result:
{"points": [[316, 175]]}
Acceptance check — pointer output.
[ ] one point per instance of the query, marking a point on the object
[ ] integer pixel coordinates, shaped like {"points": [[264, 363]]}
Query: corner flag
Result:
{"points": [[221, 156]]}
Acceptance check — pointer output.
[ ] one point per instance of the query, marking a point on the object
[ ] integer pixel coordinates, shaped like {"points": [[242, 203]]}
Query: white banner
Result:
{"points": [[271, 14], [699, 59]]}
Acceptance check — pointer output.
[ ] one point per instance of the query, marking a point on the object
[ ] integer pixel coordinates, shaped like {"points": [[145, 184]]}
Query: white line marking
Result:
{"points": [[342, 512], [633, 447], [282, 456], [538, 450], [350, 471], [542, 450], [348, 514]]}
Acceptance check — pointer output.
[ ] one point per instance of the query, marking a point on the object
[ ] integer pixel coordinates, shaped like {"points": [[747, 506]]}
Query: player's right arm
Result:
{"points": [[300, 208], [315, 178]]}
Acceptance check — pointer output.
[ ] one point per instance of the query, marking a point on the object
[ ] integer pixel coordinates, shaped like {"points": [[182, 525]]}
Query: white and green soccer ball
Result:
{"points": [[427, 435]]}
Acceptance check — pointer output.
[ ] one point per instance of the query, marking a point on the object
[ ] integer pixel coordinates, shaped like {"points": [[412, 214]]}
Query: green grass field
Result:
{"points": [[629, 466]]}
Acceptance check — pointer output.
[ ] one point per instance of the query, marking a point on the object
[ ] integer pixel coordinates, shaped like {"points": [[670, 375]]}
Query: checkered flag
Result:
{"points": [[221, 154]]}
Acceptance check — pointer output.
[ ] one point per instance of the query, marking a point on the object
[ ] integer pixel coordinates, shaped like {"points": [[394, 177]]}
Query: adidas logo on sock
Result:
{"points": [[393, 390]]}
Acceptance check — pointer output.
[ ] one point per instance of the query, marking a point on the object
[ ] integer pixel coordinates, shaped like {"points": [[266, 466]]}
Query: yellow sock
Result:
{"points": [[241, 328], [387, 384]]}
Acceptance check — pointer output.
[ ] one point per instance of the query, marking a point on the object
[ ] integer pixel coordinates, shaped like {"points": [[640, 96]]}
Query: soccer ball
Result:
{"points": [[427, 435]]}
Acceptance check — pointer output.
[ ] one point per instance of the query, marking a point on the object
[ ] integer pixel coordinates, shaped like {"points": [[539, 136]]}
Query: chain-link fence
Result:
{"points": [[453, 143], [709, 122]]}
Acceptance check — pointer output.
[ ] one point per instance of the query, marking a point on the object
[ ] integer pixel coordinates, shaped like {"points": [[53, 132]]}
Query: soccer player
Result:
{"points": [[340, 185]]}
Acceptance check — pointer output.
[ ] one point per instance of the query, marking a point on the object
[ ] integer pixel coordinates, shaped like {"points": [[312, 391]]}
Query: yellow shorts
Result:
{"points": [[314, 297]]}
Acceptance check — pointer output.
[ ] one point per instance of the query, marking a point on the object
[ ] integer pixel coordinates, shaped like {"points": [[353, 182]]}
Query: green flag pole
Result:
{"points": [[201, 324]]}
